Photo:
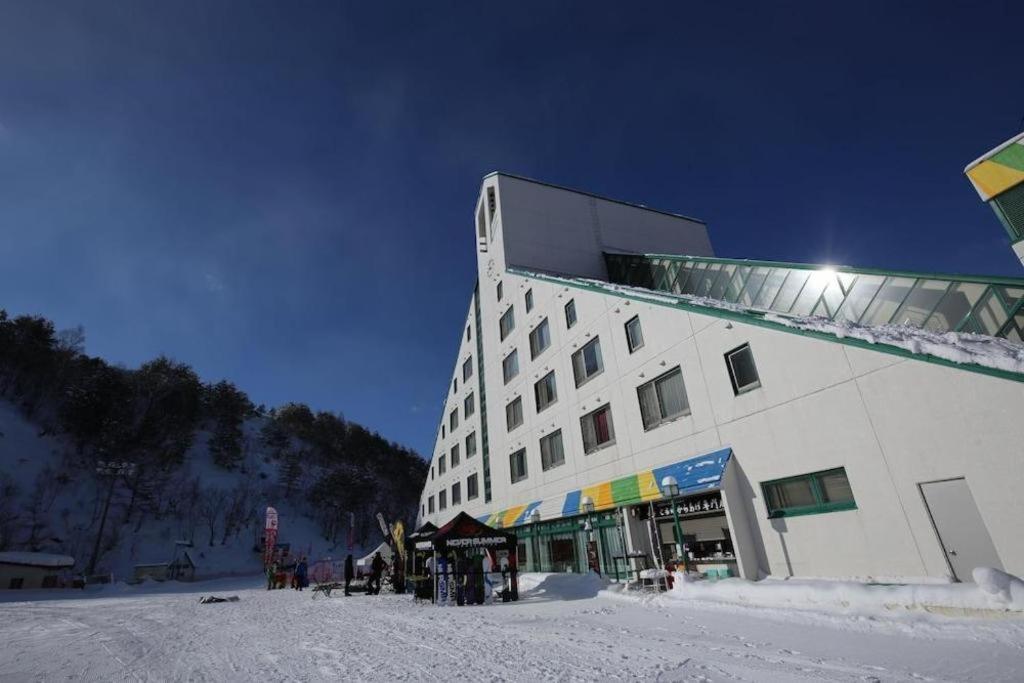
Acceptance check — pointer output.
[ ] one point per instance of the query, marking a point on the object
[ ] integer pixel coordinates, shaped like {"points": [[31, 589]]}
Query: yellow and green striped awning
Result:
{"points": [[999, 170]]}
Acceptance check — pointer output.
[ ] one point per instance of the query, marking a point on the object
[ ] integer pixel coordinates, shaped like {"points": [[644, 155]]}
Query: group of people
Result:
{"points": [[295, 575]]}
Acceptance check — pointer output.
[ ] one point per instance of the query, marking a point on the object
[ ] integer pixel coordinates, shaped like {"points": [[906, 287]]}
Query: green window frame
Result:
{"points": [[819, 499]]}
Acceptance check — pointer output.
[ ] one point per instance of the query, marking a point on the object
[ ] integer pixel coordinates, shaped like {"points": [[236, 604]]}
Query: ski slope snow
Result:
{"points": [[561, 630]]}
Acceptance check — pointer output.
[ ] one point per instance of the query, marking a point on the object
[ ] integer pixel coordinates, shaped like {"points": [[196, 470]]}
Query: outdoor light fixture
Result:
{"points": [[670, 486]]}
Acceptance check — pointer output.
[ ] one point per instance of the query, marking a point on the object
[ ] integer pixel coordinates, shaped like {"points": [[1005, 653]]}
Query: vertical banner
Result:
{"points": [[351, 530], [398, 534], [269, 536]]}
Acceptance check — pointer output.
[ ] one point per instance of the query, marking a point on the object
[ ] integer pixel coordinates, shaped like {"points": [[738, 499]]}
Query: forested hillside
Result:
{"points": [[206, 461]]}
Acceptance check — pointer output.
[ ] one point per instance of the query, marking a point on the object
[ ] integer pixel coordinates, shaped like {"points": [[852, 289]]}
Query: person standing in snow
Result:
{"points": [[376, 569], [271, 575], [349, 573], [301, 569]]}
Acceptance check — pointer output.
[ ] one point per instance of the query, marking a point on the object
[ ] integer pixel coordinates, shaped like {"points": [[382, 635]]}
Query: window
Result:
{"points": [[507, 323], [551, 452], [570, 314], [471, 487], [586, 363], [468, 335], [455, 385], [455, 455], [467, 369], [443, 434], [742, 371], [545, 392], [500, 291], [469, 406], [442, 500], [529, 300], [809, 494], [634, 335], [456, 493], [597, 428], [430, 505], [431, 473], [540, 339], [442, 466], [517, 465], [423, 510], [514, 414], [510, 366], [453, 420], [471, 445], [492, 204], [663, 399]]}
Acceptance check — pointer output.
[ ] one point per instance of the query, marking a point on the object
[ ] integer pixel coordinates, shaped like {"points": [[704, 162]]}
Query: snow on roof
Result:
{"points": [[962, 348], [36, 559]]}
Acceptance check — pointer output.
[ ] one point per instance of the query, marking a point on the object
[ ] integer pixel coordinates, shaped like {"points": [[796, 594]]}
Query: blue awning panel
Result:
{"points": [[696, 474]]}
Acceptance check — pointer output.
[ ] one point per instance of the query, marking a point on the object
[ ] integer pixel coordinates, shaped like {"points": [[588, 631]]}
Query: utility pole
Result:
{"points": [[113, 470]]}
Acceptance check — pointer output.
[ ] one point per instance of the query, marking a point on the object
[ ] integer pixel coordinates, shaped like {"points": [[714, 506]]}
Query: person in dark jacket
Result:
{"points": [[301, 572], [349, 573], [376, 569]]}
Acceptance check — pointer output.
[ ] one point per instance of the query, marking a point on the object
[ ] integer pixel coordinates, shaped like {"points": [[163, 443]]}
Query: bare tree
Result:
{"points": [[211, 505]]}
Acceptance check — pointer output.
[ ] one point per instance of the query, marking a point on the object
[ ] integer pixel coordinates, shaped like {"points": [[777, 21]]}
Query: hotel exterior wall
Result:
{"points": [[891, 422]]}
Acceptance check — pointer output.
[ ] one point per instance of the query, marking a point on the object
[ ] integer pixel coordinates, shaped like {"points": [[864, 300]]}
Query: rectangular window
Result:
{"points": [[597, 428], [510, 366], [443, 433], [455, 385], [430, 505], [529, 300], [492, 204], [471, 445], [570, 314], [517, 465], [455, 455], [500, 291], [552, 454], [507, 323], [634, 335], [442, 500], [540, 339], [514, 414], [442, 465], [809, 494], [469, 406], [742, 371], [453, 420], [456, 493], [468, 335], [663, 399], [545, 391], [471, 487], [587, 363], [467, 369], [431, 474]]}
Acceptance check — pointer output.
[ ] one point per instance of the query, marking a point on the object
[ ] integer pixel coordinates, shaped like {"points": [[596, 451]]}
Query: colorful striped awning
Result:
{"points": [[693, 475], [999, 170]]}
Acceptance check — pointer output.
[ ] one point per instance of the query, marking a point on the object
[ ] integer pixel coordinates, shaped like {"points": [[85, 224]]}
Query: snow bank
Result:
{"points": [[561, 586], [995, 591]]}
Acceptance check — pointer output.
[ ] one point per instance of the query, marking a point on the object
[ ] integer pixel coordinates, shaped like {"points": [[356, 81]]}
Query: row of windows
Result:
{"points": [[472, 491], [467, 372], [455, 454]]}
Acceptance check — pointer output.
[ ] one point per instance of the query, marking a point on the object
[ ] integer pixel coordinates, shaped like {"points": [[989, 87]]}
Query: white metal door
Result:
{"points": [[962, 531]]}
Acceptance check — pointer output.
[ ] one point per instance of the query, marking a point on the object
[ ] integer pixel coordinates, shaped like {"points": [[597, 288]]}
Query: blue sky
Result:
{"points": [[281, 194]]}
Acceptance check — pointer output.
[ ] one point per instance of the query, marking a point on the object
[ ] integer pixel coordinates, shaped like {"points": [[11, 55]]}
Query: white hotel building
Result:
{"points": [[815, 419]]}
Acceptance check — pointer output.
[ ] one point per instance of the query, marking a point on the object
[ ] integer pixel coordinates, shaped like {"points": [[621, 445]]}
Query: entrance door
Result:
{"points": [[961, 529]]}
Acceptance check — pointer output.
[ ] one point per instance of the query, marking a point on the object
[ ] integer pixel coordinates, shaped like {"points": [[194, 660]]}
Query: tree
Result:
{"points": [[211, 506], [227, 407]]}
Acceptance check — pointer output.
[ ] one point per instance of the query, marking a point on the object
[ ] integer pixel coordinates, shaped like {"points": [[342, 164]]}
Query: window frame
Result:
{"points": [[467, 369], [570, 305], [442, 500], [545, 461], [453, 420], [554, 392], [430, 505], [611, 430], [629, 337], [456, 493], [508, 426], [471, 436], [442, 464], [472, 492], [534, 351], [653, 383], [528, 299], [502, 332], [469, 405], [455, 454], [504, 376], [500, 290], [820, 506], [511, 470], [736, 389], [579, 352]]}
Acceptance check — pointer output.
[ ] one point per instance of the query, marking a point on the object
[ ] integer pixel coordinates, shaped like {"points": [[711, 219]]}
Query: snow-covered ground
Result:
{"points": [[564, 628]]}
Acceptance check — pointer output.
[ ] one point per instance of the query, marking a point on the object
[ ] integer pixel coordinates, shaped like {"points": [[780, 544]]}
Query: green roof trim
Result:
{"points": [[753, 318]]}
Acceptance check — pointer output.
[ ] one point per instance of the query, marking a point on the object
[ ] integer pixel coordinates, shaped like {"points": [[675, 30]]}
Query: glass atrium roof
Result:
{"points": [[983, 305]]}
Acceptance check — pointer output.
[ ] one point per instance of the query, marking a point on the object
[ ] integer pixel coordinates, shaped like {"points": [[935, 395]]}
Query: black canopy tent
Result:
{"points": [[465, 538], [418, 548]]}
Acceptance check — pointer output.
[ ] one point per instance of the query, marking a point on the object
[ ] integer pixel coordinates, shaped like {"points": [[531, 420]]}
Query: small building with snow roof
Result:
{"points": [[26, 570]]}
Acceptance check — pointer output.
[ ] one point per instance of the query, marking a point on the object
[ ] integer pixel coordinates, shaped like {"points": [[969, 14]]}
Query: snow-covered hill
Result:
{"points": [[51, 500]]}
